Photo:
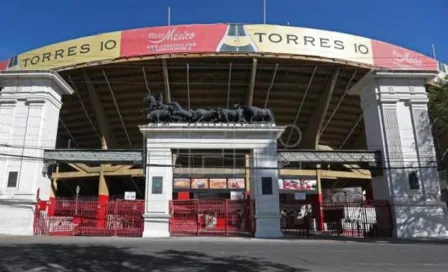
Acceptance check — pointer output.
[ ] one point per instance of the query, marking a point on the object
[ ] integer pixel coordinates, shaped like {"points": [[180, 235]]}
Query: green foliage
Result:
{"points": [[438, 108]]}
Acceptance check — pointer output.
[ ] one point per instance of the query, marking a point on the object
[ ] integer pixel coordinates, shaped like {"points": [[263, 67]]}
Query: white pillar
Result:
{"points": [[396, 120], [261, 140], [29, 108], [159, 192], [264, 170]]}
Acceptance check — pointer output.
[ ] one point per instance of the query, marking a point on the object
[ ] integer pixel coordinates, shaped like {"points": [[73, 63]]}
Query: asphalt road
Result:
{"points": [[36, 254]]}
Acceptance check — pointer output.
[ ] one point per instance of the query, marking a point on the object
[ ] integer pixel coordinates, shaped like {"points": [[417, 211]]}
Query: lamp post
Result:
{"points": [[77, 195]]}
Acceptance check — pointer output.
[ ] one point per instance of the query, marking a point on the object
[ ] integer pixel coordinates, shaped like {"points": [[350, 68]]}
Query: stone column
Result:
{"points": [[264, 173], [29, 103], [396, 120], [159, 192]]}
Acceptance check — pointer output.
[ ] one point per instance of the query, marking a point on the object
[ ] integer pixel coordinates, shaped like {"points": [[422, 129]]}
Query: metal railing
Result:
{"points": [[346, 219], [91, 218], [212, 218]]}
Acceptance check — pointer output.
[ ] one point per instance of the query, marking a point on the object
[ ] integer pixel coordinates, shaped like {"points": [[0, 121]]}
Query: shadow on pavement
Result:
{"points": [[442, 241], [68, 257]]}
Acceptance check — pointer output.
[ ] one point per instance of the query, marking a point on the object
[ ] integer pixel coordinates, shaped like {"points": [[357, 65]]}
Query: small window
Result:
{"points": [[414, 182], [266, 186], [157, 187], [12, 179]]}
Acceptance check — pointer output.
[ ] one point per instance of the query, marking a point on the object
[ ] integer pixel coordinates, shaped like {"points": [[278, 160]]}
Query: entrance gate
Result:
{"points": [[346, 219], [212, 218], [91, 218]]}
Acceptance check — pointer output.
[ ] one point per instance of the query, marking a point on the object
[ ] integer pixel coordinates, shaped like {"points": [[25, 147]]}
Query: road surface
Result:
{"points": [[36, 254]]}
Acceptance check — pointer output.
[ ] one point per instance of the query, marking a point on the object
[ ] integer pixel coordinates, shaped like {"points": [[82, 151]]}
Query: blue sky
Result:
{"points": [[414, 24]]}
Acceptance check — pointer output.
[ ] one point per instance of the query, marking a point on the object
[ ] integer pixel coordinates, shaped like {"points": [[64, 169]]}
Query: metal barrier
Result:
{"points": [[40, 223], [296, 219], [91, 218], [358, 219], [212, 218], [348, 219]]}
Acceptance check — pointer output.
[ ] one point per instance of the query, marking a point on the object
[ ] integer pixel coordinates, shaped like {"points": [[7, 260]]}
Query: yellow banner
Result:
{"points": [[312, 42], [93, 48]]}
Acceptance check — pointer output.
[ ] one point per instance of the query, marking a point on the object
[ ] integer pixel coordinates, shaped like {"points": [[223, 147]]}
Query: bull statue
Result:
{"points": [[158, 112], [253, 114]]}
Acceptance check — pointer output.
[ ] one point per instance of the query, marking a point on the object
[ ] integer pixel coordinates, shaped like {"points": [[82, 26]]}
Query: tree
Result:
{"points": [[438, 112]]}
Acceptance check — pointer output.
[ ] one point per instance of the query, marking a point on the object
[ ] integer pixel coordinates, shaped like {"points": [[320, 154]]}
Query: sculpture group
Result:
{"points": [[159, 112]]}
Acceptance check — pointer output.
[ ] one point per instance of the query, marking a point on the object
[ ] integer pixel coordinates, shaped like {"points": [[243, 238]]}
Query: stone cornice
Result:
{"points": [[377, 74], [64, 88]]}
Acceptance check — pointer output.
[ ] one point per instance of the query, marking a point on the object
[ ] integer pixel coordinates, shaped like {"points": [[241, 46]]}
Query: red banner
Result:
{"points": [[390, 56], [171, 39], [3, 65]]}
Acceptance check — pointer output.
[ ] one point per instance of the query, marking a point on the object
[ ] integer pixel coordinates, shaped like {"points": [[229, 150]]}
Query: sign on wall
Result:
{"points": [[349, 194], [313, 42], [181, 183], [394, 57], [83, 50], [171, 39], [130, 195], [236, 195], [209, 183], [304, 183]]}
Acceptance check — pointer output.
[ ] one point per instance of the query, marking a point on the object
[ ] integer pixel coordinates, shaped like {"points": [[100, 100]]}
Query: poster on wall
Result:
{"points": [[236, 183], [181, 183], [298, 184], [349, 194], [130, 195], [300, 196], [218, 183], [236, 195], [199, 183], [280, 184]]}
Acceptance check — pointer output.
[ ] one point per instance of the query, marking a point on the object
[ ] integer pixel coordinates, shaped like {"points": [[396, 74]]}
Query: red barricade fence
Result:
{"points": [[212, 218], [82, 218], [347, 219]]}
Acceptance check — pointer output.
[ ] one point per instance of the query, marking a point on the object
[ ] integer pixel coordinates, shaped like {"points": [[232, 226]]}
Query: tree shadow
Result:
{"points": [[69, 257], [419, 211], [376, 240]]}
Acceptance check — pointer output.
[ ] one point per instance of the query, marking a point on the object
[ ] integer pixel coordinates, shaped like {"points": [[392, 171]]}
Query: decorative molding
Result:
{"points": [[6, 76]]}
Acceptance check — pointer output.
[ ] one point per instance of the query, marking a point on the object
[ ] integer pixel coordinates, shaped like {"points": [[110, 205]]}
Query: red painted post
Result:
{"points": [[103, 200], [317, 203], [226, 221], [51, 206]]}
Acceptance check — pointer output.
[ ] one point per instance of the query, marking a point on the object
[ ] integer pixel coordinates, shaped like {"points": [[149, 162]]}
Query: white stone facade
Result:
{"points": [[397, 123], [260, 140], [29, 110], [396, 119]]}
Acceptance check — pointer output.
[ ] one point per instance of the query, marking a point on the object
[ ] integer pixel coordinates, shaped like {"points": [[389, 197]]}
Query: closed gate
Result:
{"points": [[91, 218], [212, 218], [347, 219]]}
